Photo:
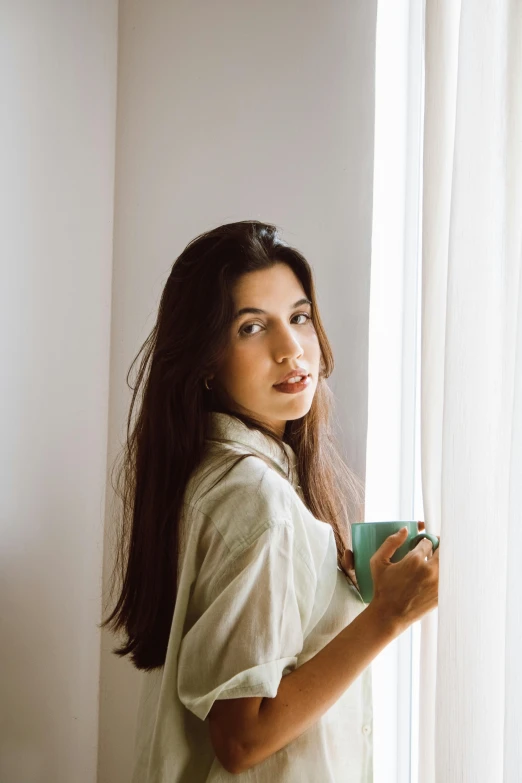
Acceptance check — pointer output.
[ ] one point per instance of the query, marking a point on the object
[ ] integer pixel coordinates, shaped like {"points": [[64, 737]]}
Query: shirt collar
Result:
{"points": [[224, 427]]}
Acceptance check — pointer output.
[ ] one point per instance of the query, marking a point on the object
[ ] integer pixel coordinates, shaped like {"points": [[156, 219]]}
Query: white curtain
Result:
{"points": [[471, 391]]}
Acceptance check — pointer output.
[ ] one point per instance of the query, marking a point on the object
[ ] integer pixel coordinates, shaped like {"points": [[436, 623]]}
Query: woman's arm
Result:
{"points": [[246, 731]]}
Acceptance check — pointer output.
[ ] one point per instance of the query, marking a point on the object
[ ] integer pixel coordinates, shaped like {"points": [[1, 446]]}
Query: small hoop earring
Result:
{"points": [[207, 386]]}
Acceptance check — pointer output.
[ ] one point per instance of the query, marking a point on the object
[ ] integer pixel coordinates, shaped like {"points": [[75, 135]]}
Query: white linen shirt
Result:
{"points": [[259, 594]]}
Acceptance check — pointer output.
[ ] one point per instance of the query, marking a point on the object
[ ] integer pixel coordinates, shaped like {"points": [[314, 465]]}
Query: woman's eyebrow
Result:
{"points": [[258, 311]]}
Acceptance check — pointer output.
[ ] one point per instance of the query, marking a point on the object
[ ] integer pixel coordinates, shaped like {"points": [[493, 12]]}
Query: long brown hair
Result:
{"points": [[166, 438]]}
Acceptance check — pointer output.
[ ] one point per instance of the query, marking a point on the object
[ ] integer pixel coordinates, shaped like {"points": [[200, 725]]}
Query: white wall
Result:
{"points": [[57, 130], [229, 111]]}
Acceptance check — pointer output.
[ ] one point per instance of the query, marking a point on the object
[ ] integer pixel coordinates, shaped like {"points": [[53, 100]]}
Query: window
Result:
{"points": [[393, 479]]}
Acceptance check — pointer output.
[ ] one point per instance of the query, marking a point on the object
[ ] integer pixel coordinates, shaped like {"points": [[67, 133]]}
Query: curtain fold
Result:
{"points": [[471, 391]]}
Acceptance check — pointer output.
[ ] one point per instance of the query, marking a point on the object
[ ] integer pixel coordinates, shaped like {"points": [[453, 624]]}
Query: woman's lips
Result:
{"points": [[293, 388]]}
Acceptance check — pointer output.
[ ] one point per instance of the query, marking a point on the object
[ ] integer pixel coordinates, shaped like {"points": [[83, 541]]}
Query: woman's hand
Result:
{"points": [[347, 561], [407, 589]]}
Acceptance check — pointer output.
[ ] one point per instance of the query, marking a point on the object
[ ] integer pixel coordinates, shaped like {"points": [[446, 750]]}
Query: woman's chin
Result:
{"points": [[295, 407]]}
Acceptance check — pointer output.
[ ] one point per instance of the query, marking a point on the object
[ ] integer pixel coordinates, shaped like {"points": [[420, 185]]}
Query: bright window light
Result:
{"points": [[393, 477]]}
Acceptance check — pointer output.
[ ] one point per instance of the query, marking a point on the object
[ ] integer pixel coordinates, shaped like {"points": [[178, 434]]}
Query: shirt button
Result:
{"points": [[366, 729]]}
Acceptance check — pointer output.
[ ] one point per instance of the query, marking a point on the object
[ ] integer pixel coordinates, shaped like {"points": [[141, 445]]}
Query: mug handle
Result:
{"points": [[415, 540]]}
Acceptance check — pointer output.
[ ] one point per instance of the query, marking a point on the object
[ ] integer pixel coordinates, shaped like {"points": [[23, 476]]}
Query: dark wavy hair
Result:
{"points": [[166, 438]]}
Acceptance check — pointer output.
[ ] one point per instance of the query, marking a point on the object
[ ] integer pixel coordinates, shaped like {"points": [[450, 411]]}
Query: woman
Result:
{"points": [[238, 594]]}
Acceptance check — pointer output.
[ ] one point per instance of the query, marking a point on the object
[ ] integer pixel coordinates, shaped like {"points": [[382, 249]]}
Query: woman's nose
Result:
{"points": [[287, 346]]}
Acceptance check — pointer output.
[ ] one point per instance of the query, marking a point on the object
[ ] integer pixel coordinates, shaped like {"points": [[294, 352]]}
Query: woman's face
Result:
{"points": [[265, 346]]}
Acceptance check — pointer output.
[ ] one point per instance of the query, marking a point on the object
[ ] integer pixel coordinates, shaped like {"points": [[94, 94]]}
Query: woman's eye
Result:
{"points": [[248, 326], [245, 333]]}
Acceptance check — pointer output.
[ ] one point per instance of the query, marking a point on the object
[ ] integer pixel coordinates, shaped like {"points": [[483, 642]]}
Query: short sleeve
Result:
{"points": [[248, 631]]}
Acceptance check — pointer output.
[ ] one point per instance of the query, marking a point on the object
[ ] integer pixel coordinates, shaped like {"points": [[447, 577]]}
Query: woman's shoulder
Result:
{"points": [[240, 492], [240, 500]]}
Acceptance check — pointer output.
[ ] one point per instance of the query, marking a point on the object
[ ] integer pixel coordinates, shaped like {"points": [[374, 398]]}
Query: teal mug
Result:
{"points": [[367, 537]]}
